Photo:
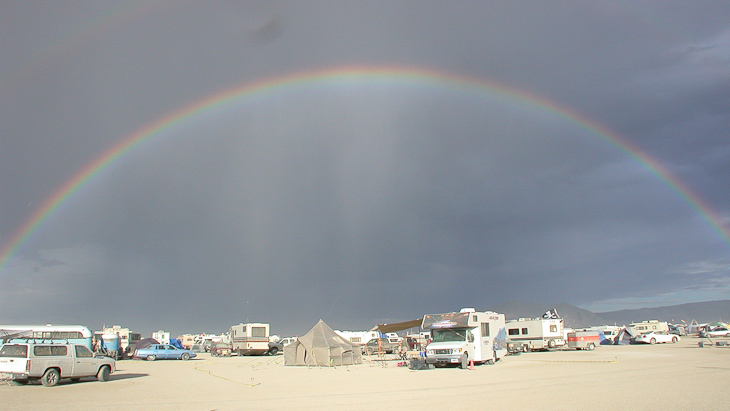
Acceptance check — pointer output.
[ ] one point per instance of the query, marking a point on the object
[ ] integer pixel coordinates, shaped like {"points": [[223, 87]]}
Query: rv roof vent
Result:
{"points": [[468, 310]]}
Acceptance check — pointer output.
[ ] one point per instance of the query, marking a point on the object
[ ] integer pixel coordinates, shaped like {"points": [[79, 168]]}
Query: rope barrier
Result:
{"points": [[614, 361]]}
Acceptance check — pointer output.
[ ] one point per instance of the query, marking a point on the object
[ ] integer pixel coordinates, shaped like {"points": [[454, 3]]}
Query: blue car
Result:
{"points": [[163, 352]]}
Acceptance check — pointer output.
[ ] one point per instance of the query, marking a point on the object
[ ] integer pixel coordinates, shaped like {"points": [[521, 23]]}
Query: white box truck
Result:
{"points": [[535, 334], [465, 337]]}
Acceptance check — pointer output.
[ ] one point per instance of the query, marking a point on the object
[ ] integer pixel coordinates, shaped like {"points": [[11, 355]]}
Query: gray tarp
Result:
{"points": [[322, 347]]}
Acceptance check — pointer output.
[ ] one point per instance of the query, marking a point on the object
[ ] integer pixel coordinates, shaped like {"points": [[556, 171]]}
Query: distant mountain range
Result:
{"points": [[575, 317]]}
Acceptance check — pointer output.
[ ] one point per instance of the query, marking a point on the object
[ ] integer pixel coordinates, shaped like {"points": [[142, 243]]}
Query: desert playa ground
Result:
{"points": [[649, 377]]}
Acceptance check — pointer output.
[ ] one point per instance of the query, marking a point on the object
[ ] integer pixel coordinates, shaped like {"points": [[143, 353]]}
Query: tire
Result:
{"points": [[103, 374], [151, 358], [652, 341], [273, 351], [674, 340], [51, 377], [185, 356], [551, 344], [591, 347], [525, 348], [493, 360]]}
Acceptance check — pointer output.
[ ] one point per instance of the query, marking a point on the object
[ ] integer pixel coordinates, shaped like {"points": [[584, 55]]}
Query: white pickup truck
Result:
{"points": [[25, 362]]}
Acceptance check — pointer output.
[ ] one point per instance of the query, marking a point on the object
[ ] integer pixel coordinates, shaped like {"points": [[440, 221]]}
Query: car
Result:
{"points": [[163, 352], [48, 363], [716, 332], [220, 349], [653, 337], [378, 345], [677, 330]]}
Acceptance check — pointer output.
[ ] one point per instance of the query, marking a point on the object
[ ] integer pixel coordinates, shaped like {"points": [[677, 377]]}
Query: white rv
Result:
{"points": [[250, 339], [358, 337], [466, 336], [648, 326], [530, 334]]}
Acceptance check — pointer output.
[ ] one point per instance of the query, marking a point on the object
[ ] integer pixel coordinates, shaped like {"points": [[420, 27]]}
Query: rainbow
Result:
{"points": [[350, 75]]}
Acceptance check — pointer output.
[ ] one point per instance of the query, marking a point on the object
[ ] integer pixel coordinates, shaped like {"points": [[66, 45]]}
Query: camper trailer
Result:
{"points": [[533, 334], [465, 337], [358, 337], [648, 326], [250, 338]]}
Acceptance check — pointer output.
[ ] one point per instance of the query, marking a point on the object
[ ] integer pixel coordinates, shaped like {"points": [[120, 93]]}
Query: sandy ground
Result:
{"points": [[665, 376]]}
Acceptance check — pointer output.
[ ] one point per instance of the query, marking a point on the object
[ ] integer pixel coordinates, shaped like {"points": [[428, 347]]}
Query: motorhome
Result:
{"points": [[533, 334], [465, 337], [250, 338]]}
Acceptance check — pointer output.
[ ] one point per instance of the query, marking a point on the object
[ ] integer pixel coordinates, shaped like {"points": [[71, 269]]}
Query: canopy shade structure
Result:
{"points": [[395, 327]]}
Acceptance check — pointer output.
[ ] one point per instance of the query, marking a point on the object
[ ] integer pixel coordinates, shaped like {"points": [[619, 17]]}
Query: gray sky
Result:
{"points": [[376, 199]]}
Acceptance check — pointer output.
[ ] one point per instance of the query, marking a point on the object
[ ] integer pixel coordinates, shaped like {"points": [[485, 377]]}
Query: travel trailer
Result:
{"points": [[465, 337], [533, 334], [250, 338], [358, 337], [648, 326]]}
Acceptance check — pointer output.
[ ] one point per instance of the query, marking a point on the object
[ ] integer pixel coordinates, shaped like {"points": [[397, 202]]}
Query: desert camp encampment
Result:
{"points": [[321, 347]]}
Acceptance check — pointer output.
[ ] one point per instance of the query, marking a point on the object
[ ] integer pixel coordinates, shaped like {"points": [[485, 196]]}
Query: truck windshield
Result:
{"points": [[449, 335]]}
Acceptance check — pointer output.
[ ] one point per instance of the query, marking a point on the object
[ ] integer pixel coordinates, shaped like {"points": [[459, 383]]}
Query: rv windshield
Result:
{"points": [[449, 335]]}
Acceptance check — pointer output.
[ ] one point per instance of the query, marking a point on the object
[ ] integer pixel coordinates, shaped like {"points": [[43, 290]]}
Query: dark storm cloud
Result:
{"points": [[370, 203]]}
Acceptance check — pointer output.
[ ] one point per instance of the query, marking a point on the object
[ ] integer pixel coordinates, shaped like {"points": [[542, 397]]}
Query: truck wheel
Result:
{"points": [[273, 351], [551, 344], [185, 356], [51, 377], [591, 347], [103, 374]]}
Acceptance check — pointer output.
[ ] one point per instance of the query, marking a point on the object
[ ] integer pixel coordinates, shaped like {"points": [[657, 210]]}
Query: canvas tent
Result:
{"points": [[322, 347]]}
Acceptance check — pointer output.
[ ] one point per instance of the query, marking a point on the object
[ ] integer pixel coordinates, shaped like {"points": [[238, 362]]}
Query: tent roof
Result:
{"points": [[391, 328], [321, 335]]}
